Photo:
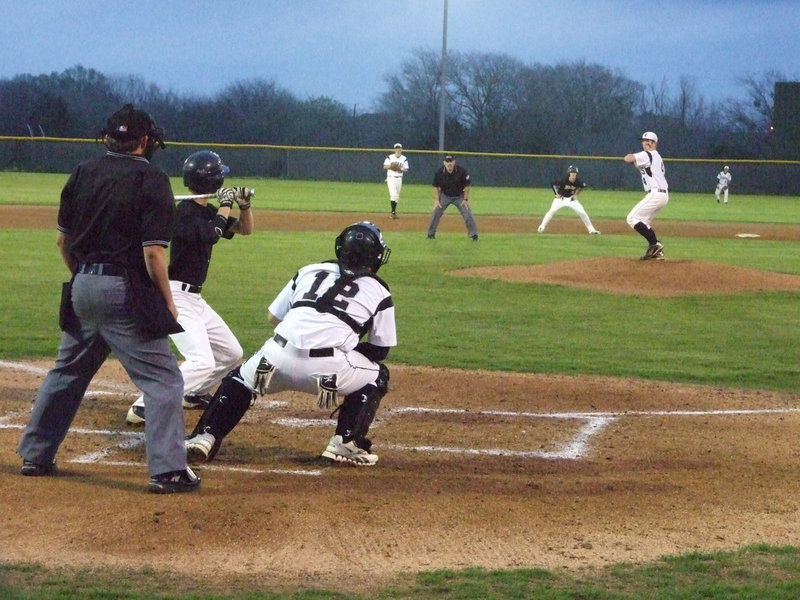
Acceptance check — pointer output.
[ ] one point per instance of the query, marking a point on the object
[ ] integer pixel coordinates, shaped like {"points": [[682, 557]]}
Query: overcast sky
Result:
{"points": [[344, 49]]}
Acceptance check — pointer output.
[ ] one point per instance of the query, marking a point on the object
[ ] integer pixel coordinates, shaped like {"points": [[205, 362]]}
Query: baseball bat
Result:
{"points": [[250, 191]]}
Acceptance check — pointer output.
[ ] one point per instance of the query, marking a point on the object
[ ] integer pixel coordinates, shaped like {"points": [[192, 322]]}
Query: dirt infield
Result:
{"points": [[477, 468]]}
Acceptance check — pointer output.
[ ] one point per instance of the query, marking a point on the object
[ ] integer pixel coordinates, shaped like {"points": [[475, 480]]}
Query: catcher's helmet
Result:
{"points": [[572, 169], [203, 172], [360, 247]]}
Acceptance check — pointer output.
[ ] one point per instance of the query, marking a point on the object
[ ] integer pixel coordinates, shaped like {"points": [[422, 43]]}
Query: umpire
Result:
{"points": [[451, 185], [114, 225]]}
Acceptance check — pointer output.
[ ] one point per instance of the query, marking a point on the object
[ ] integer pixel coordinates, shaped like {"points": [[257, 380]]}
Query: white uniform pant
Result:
{"points": [[722, 189], [647, 208], [574, 204], [295, 370], [208, 346], [395, 184]]}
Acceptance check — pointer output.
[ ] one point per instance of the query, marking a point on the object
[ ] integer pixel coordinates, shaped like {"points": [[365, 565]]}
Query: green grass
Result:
{"points": [[735, 340], [755, 572]]}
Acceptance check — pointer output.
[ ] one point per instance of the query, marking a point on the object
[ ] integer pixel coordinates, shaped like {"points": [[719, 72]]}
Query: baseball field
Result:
{"points": [[564, 420]]}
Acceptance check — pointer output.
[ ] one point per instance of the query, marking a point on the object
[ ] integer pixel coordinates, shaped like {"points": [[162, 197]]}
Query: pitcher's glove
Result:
{"points": [[226, 196], [243, 196]]}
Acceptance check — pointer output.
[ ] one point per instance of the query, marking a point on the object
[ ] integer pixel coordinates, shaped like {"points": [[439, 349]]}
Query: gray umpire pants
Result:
{"points": [[464, 209], [101, 303]]}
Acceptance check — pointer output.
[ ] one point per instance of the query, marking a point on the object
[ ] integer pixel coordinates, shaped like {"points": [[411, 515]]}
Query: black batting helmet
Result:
{"points": [[572, 169], [360, 247], [203, 172]]}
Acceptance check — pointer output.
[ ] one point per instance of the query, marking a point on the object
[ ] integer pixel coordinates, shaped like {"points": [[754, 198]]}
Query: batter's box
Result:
{"points": [[521, 435]]}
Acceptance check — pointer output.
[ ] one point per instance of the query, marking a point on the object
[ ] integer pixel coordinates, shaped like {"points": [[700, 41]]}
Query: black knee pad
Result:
{"points": [[227, 407]]}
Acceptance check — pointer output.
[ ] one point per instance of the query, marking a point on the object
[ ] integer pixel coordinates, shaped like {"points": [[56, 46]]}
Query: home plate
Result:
{"points": [[747, 235]]}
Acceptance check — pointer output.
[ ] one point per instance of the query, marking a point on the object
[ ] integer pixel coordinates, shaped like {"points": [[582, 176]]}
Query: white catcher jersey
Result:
{"points": [[652, 169], [319, 309]]}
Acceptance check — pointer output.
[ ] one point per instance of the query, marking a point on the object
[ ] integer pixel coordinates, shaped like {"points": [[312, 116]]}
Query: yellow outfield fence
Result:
{"points": [[750, 176]]}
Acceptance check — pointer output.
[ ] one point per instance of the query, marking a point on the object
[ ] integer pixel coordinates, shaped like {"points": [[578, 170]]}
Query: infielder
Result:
{"points": [[567, 191], [207, 344], [723, 181], [320, 317], [395, 165], [641, 217]]}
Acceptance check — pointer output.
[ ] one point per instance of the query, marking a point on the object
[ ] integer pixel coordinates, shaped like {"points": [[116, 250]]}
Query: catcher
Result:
{"points": [[320, 316], [207, 344], [395, 165]]}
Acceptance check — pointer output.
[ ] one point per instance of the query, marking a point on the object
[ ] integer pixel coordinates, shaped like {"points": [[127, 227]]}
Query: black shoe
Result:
{"points": [[394, 215], [200, 402], [431, 237], [173, 482], [475, 238], [32, 469]]}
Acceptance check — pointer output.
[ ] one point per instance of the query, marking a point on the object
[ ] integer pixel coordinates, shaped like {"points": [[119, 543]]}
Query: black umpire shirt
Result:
{"points": [[114, 205], [197, 229], [452, 184]]}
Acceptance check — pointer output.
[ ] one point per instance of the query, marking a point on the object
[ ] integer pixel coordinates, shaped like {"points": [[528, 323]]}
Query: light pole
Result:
{"points": [[443, 79]]}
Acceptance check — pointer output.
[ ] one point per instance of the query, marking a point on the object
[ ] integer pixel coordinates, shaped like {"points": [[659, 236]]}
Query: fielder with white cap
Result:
{"points": [[395, 165], [723, 181], [641, 217]]}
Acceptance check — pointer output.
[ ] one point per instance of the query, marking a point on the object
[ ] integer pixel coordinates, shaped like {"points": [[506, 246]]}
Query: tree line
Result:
{"points": [[494, 103]]}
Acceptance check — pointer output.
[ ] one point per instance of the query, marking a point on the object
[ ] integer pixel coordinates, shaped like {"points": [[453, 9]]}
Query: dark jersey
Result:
{"points": [[113, 206], [567, 188], [452, 184], [197, 229]]}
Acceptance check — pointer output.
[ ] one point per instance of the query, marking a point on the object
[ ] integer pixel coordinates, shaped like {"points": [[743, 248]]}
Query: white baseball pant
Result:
{"points": [[647, 208], [571, 202]]}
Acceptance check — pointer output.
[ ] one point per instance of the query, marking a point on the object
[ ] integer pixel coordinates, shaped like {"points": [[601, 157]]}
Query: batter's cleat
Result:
{"points": [[200, 448], [340, 451], [594, 232], [173, 482], [199, 402], [652, 250], [135, 415], [32, 469]]}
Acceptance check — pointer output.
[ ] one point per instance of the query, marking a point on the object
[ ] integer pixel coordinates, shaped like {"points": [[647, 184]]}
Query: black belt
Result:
{"points": [[662, 191], [313, 353], [109, 269], [192, 289]]}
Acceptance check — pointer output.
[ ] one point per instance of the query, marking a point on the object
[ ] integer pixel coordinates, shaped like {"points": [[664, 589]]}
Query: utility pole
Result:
{"points": [[443, 80]]}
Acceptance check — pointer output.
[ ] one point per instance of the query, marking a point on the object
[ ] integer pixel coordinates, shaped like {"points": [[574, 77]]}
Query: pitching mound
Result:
{"points": [[643, 278]]}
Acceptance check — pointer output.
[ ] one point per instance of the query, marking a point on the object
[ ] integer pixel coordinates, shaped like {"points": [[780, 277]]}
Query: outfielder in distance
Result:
{"points": [[654, 181], [567, 191], [207, 344], [723, 182], [395, 165], [320, 318]]}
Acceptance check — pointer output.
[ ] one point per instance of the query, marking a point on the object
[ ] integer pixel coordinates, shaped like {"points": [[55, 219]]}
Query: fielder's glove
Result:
{"points": [[243, 196], [226, 196]]}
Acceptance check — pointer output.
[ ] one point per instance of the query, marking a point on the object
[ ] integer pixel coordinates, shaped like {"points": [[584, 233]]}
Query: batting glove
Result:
{"points": [[227, 196]]}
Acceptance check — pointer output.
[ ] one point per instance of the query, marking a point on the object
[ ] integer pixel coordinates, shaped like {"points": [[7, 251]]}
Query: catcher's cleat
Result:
{"points": [[340, 451], [199, 402], [135, 415], [200, 448], [173, 482], [32, 469]]}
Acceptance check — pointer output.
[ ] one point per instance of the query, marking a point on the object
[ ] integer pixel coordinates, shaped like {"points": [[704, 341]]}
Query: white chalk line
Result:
{"points": [[577, 448]]}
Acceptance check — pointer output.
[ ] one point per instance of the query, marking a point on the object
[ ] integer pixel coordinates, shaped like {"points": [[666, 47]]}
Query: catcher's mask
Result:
{"points": [[203, 172], [127, 126], [360, 248]]}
